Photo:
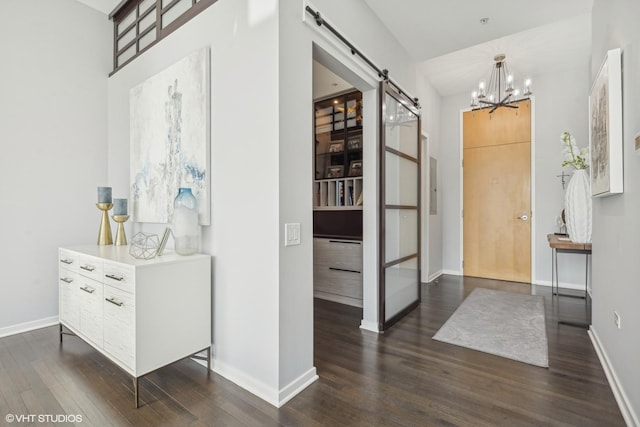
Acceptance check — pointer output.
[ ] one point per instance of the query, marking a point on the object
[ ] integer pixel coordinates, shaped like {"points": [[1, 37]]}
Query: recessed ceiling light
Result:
{"points": [[484, 21]]}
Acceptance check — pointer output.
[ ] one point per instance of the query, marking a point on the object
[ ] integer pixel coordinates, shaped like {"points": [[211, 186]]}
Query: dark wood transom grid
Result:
{"points": [[139, 24]]}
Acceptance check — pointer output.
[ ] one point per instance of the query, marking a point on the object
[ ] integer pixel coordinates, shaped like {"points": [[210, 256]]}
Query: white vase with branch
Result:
{"points": [[577, 197]]}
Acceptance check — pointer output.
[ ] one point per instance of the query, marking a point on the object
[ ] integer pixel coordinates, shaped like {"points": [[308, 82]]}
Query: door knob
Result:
{"points": [[523, 217]]}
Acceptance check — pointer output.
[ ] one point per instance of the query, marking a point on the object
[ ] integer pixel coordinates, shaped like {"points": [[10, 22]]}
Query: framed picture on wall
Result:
{"points": [[605, 127], [355, 168], [354, 143], [336, 147], [335, 171]]}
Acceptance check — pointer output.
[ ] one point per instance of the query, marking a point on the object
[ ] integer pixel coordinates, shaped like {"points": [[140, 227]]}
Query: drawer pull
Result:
{"points": [[88, 267], [114, 301], [342, 241], [66, 279], [114, 277], [344, 269], [67, 261], [87, 289]]}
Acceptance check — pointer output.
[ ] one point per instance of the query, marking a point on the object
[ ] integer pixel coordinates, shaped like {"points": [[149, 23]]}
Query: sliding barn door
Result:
{"points": [[399, 287]]}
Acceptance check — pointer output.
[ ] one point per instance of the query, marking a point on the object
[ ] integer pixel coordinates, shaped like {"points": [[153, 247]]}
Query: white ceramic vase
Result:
{"points": [[577, 207]]}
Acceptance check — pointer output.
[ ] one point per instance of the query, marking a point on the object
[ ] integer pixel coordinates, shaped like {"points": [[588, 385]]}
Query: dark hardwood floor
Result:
{"points": [[401, 377]]}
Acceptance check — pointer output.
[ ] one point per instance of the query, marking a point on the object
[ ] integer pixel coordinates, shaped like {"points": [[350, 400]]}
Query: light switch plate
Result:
{"points": [[292, 234]]}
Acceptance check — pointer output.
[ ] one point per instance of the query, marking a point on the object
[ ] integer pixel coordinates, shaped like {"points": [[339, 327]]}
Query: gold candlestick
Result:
{"points": [[104, 234], [121, 238]]}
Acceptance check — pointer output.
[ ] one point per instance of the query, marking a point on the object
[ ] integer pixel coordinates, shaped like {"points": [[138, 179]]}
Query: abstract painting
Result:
{"points": [[605, 128], [170, 139]]}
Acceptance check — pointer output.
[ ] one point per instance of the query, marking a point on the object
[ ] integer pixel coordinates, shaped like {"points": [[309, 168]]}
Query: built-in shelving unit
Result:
{"points": [[337, 199], [338, 153], [343, 193]]}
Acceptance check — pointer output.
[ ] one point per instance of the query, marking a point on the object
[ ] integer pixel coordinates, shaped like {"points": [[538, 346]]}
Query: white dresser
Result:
{"points": [[141, 314]]}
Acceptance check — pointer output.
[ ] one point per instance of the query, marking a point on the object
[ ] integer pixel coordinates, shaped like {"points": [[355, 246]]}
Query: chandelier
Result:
{"points": [[501, 90]]}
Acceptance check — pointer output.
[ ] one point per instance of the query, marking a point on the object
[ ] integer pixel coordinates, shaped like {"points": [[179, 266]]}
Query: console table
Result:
{"points": [[561, 244], [140, 314]]}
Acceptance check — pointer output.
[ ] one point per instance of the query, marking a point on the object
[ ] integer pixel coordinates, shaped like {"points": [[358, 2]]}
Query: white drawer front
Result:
{"points": [[68, 260], [89, 266], [119, 325], [91, 299], [119, 275], [69, 298]]}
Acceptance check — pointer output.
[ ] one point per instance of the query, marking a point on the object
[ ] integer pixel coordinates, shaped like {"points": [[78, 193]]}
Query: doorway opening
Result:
{"points": [[338, 197]]}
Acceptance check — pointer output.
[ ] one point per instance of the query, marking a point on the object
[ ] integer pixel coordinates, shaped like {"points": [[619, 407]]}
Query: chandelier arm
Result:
{"points": [[500, 73]]}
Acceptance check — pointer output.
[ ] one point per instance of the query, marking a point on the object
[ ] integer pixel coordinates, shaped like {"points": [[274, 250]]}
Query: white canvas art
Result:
{"points": [[170, 139], [599, 104], [605, 128]]}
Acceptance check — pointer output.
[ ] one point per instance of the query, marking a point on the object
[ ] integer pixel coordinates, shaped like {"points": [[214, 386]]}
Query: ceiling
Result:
{"points": [[454, 51], [104, 6]]}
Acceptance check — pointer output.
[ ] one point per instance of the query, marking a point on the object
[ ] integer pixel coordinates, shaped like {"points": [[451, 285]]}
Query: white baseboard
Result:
{"points": [[263, 391], [247, 382], [628, 413], [369, 326], [452, 272], [296, 386], [28, 326], [435, 275]]}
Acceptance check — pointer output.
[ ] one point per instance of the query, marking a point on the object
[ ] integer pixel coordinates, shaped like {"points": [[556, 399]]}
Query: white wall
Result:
{"points": [[615, 219], [560, 103], [56, 58], [431, 101], [243, 238], [449, 165]]}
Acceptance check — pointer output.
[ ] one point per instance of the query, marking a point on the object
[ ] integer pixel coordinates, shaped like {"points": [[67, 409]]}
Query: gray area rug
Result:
{"points": [[505, 324]]}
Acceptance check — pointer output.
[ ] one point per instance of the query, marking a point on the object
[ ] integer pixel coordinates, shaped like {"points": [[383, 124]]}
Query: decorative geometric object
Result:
{"points": [[577, 206], [170, 139], [144, 245]]}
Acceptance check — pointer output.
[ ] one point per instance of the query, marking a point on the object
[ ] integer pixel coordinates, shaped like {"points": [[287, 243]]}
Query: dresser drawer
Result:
{"points": [[119, 276], [68, 260], [340, 254], [91, 302], [90, 267], [119, 325], [344, 283], [69, 307]]}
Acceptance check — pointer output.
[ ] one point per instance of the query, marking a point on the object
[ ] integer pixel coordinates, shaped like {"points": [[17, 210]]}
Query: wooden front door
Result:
{"points": [[497, 193]]}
